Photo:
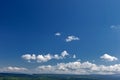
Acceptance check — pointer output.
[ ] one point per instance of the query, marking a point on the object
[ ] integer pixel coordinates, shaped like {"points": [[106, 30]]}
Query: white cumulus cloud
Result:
{"points": [[44, 58], [64, 53], [72, 38], [79, 68], [29, 57], [108, 57]]}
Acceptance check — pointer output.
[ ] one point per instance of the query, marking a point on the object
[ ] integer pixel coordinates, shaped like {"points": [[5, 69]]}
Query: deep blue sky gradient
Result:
{"points": [[28, 26]]}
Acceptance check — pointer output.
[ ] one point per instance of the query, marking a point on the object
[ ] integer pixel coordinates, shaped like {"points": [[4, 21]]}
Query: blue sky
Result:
{"points": [[85, 31]]}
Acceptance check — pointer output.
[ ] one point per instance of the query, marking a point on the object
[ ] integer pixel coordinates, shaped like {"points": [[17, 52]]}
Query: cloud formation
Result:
{"points": [[75, 67], [57, 34], [108, 57], [79, 68], [64, 53], [44, 58], [74, 56], [14, 69], [29, 57], [71, 38]]}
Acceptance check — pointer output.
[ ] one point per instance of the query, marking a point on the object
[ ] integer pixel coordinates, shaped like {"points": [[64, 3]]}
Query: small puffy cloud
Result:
{"points": [[44, 58], [72, 38], [74, 56], [29, 57], [64, 53], [38, 58], [108, 57], [57, 34], [26, 56], [14, 69]]}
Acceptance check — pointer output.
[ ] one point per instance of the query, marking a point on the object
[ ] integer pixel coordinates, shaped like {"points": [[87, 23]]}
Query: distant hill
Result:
{"points": [[16, 76]]}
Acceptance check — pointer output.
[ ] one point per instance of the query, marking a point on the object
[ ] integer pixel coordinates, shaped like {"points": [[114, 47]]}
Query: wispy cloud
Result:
{"points": [[58, 34], [14, 69], [71, 38], [116, 27], [108, 57], [44, 58]]}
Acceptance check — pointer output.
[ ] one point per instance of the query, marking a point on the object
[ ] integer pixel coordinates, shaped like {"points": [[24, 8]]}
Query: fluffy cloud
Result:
{"points": [[79, 68], [69, 68], [64, 53], [44, 58], [14, 69], [71, 38], [75, 67], [108, 57], [29, 57], [57, 34], [56, 56]]}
